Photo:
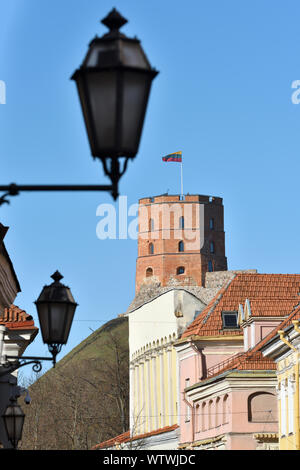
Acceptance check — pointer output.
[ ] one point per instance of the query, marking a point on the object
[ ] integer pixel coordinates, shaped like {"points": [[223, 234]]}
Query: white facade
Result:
{"points": [[153, 328]]}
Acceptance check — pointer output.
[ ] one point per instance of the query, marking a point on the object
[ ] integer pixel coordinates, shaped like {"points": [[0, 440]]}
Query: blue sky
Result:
{"points": [[223, 97]]}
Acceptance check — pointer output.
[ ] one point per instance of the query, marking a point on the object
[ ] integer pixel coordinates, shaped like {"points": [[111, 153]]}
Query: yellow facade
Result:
{"points": [[288, 392], [155, 389]]}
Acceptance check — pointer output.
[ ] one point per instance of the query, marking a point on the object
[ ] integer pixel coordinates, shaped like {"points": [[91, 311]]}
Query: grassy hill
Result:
{"points": [[84, 400]]}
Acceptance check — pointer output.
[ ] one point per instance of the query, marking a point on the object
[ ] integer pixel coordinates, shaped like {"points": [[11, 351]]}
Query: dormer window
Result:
{"points": [[229, 320]]}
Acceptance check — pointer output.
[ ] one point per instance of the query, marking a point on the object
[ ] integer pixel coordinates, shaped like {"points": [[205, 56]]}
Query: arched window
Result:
{"points": [[210, 412], [262, 407], [210, 266], [225, 409], [151, 225], [151, 249], [212, 223], [198, 418], [212, 247], [149, 272], [180, 270], [217, 409], [204, 417], [181, 246], [181, 222]]}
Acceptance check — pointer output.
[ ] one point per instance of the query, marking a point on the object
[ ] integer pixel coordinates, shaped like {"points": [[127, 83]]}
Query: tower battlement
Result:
{"points": [[177, 198]]}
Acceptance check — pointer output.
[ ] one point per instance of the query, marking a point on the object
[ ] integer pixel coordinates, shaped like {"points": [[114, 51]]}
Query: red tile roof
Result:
{"points": [[254, 359], [271, 308], [16, 318], [125, 437], [269, 294]]}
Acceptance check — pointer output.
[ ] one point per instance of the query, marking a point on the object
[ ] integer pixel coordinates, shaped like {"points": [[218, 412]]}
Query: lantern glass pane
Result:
{"points": [[102, 89], [133, 56], [14, 421], [102, 54], [58, 316], [135, 92], [42, 309], [85, 110], [69, 319]]}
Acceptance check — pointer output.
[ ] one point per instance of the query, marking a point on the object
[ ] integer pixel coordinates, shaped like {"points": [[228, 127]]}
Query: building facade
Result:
{"points": [[17, 331], [198, 376], [283, 346]]}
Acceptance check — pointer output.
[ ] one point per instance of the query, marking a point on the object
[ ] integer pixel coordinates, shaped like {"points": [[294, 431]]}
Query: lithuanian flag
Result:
{"points": [[173, 157]]}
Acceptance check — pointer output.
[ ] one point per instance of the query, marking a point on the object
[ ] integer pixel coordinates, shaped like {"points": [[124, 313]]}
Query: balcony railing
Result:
{"points": [[221, 365]]}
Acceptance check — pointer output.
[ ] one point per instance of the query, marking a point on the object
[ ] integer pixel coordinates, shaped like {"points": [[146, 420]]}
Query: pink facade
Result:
{"points": [[229, 405], [257, 330]]}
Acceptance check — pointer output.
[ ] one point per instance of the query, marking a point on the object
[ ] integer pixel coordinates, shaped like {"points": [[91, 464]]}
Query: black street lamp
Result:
{"points": [[56, 307], [113, 84], [13, 418]]}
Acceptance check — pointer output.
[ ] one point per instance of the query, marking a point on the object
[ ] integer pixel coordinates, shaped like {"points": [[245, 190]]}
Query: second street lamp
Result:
{"points": [[56, 307]]}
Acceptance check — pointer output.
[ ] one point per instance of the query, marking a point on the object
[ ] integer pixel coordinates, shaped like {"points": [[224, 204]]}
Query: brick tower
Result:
{"points": [[180, 239]]}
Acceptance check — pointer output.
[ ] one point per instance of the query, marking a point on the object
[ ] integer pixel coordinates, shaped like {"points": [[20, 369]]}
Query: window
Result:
{"points": [[181, 222], [211, 223], [210, 409], [180, 270], [212, 247], [230, 320], [262, 407], [151, 225], [151, 249], [210, 266], [187, 408], [225, 409], [149, 272], [181, 246]]}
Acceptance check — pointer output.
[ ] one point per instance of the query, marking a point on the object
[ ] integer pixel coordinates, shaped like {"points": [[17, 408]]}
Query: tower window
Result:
{"points": [[149, 272], [230, 320], [151, 225], [181, 222], [210, 266], [212, 223], [180, 270], [151, 249], [181, 246], [212, 247]]}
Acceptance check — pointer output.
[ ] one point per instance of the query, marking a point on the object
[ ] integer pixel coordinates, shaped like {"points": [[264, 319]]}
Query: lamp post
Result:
{"points": [[113, 84], [56, 307]]}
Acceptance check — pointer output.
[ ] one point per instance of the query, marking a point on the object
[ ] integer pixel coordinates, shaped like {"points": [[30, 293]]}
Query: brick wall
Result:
{"points": [[164, 245]]}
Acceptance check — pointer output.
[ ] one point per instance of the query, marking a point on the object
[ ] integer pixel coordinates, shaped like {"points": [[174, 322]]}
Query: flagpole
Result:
{"points": [[181, 179]]}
